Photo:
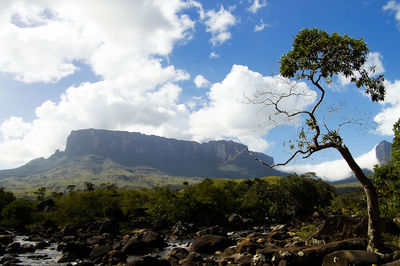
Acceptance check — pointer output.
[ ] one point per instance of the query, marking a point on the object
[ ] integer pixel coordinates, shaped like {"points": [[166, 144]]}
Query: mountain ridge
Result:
{"points": [[97, 155]]}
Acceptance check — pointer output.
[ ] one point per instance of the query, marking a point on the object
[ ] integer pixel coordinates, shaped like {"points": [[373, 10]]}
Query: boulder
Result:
{"points": [[153, 239], [109, 226], [314, 255], [144, 243], [181, 229], [6, 239], [178, 253], [135, 247], [193, 258], [114, 257], [77, 250], [209, 244], [27, 248], [342, 227], [99, 251], [100, 240], [214, 230], [350, 257], [13, 247], [393, 263]]}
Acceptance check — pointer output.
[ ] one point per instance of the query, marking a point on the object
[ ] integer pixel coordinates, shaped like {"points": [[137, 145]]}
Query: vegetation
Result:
{"points": [[204, 203], [386, 178], [317, 57]]}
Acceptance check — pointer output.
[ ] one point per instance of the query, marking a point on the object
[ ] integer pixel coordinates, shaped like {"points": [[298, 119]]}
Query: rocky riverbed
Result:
{"points": [[335, 240]]}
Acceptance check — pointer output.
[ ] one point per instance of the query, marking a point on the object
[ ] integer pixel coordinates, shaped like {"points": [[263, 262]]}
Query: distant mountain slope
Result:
{"points": [[118, 156]]}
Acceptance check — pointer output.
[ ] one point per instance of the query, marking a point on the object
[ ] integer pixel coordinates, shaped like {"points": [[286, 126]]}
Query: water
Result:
{"points": [[46, 256]]}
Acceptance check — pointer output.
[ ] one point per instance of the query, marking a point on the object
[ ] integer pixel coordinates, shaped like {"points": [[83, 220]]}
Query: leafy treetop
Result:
{"points": [[316, 54]]}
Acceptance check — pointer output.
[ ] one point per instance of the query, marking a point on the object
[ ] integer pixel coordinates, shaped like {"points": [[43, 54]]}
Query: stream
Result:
{"points": [[48, 255]]}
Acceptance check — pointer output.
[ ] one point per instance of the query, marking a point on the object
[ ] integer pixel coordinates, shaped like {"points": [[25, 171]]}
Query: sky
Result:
{"points": [[184, 69]]}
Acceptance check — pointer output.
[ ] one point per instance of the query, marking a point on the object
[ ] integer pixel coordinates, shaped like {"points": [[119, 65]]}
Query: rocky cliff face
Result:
{"points": [[174, 157], [384, 151]]}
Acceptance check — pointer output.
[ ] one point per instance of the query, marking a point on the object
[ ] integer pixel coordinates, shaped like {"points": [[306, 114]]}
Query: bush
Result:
{"points": [[17, 214]]}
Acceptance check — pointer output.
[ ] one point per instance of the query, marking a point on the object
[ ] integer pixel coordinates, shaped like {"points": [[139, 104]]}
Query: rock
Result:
{"points": [[249, 247], [181, 229], [153, 239], [144, 243], [178, 253], [9, 261], [209, 244], [27, 248], [267, 252], [42, 245], [77, 250], [99, 251], [135, 247], [115, 256], [6, 239], [66, 257], [258, 259], [148, 261], [315, 255], [109, 226], [214, 230], [193, 258], [100, 240], [13, 247], [350, 257], [342, 227], [393, 263]]}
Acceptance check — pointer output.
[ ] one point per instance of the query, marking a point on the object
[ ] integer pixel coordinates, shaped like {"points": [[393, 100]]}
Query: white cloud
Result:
{"points": [[257, 5], [373, 59], [214, 55], [390, 112], [41, 40], [14, 127], [393, 6], [218, 23], [122, 41], [334, 170], [201, 82], [261, 26], [226, 116]]}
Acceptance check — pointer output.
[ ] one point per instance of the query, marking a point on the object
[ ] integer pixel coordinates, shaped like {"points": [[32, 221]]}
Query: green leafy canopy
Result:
{"points": [[316, 54]]}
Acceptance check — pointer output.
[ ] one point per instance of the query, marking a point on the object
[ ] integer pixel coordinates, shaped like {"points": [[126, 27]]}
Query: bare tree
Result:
{"points": [[316, 57]]}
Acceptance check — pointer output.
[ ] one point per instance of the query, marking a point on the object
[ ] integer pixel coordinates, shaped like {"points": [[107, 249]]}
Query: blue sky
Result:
{"points": [[180, 69]]}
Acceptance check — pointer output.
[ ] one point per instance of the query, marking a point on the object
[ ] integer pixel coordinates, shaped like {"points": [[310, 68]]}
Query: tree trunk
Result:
{"points": [[374, 238]]}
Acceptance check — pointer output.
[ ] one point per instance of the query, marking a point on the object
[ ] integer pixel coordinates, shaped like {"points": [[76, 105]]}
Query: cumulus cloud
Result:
{"points": [[257, 5], [201, 82], [99, 33], [374, 59], [226, 115], [394, 7], [218, 24], [123, 42], [334, 170], [390, 112]]}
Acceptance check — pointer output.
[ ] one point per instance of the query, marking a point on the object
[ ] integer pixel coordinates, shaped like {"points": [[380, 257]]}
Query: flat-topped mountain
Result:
{"points": [[111, 156], [174, 157]]}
